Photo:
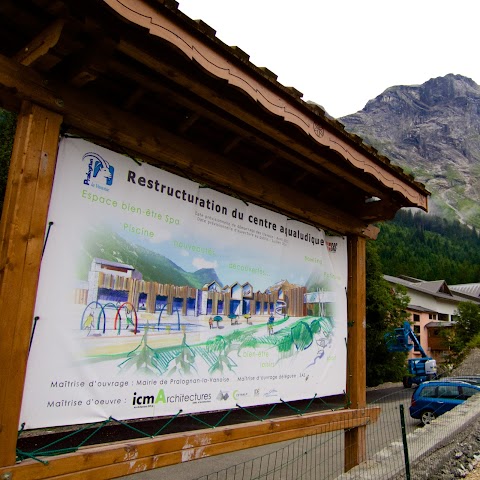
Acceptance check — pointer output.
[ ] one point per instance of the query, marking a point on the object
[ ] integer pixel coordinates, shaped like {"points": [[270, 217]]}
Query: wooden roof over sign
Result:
{"points": [[142, 78]]}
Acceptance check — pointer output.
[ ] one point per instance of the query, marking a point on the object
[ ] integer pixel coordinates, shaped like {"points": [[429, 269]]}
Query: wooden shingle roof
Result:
{"points": [[142, 78]]}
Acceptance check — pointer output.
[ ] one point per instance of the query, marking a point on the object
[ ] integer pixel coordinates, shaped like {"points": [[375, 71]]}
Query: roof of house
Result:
{"points": [[438, 288], [108, 263], [439, 324], [417, 308], [471, 289]]}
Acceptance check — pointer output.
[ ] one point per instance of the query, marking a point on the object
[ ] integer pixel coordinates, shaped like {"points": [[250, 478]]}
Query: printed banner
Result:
{"points": [[159, 295]]}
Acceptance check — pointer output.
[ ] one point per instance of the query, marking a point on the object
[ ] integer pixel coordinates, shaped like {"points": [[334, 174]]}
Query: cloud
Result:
{"points": [[160, 237], [199, 263]]}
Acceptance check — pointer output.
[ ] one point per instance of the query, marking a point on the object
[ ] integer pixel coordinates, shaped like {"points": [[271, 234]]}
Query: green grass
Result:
{"points": [[474, 342], [216, 352]]}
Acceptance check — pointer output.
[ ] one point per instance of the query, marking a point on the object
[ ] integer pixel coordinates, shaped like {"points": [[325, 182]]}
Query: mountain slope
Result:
{"points": [[433, 131], [103, 243]]}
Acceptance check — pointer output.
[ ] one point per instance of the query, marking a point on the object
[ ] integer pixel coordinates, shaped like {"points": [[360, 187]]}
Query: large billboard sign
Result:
{"points": [[159, 295]]}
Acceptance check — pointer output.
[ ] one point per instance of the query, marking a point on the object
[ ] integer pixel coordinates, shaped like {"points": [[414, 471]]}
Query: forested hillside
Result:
{"points": [[7, 130], [429, 247]]}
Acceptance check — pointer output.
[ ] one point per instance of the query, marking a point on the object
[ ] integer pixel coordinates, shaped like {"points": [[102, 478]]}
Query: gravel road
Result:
{"points": [[465, 461]]}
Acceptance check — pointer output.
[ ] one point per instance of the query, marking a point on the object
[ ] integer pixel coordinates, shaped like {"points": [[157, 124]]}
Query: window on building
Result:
{"points": [[432, 316], [416, 317]]}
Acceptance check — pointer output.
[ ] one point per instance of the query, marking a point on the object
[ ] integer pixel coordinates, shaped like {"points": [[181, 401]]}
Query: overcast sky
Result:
{"points": [[340, 54]]}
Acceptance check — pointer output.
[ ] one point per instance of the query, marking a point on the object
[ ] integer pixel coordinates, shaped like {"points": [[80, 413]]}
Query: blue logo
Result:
{"points": [[98, 169]]}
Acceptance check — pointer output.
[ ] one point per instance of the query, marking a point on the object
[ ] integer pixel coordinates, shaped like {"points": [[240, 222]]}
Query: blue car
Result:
{"points": [[431, 399]]}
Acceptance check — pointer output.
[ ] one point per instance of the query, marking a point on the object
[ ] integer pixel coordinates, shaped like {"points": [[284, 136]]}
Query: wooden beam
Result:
{"points": [[231, 144], [117, 459], [41, 44], [188, 122], [266, 164], [259, 89], [240, 130], [312, 160], [161, 147], [371, 232], [300, 177], [88, 64], [372, 211], [22, 231], [355, 439], [134, 98]]}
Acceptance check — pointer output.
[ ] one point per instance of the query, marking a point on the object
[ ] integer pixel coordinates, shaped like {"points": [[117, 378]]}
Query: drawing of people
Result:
{"points": [[210, 322], [322, 342], [129, 318], [88, 323], [271, 319]]}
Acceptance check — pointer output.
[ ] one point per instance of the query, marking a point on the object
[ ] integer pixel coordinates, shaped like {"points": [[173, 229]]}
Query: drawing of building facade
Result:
{"points": [[117, 282]]}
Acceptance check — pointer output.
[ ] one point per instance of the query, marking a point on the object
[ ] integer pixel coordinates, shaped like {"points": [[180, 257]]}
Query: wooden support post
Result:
{"points": [[22, 231], [355, 441]]}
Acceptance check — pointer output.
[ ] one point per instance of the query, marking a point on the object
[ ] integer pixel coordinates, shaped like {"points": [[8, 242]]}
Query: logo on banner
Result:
{"points": [[99, 173], [192, 397], [272, 393], [238, 395], [222, 395], [142, 401], [332, 247]]}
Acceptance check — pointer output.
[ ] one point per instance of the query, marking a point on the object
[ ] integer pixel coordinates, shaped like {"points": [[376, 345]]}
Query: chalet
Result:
{"points": [[111, 275], [433, 306]]}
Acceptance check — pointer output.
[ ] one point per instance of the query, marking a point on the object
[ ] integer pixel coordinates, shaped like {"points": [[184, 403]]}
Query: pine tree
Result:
{"points": [[386, 309], [7, 132]]}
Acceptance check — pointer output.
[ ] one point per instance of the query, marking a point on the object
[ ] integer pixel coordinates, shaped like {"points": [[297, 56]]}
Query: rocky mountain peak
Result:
{"points": [[433, 131], [441, 90]]}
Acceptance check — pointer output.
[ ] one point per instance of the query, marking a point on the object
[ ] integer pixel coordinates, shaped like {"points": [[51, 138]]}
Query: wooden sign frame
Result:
{"points": [[298, 136]]}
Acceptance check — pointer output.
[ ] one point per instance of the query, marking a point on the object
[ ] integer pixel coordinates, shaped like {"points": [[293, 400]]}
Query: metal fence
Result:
{"points": [[397, 445], [322, 456], [396, 449]]}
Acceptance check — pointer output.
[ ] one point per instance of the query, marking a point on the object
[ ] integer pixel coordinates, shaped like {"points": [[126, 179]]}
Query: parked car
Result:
{"points": [[433, 398]]}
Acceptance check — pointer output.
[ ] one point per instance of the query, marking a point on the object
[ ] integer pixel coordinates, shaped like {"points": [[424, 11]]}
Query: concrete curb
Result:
{"points": [[389, 463]]}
